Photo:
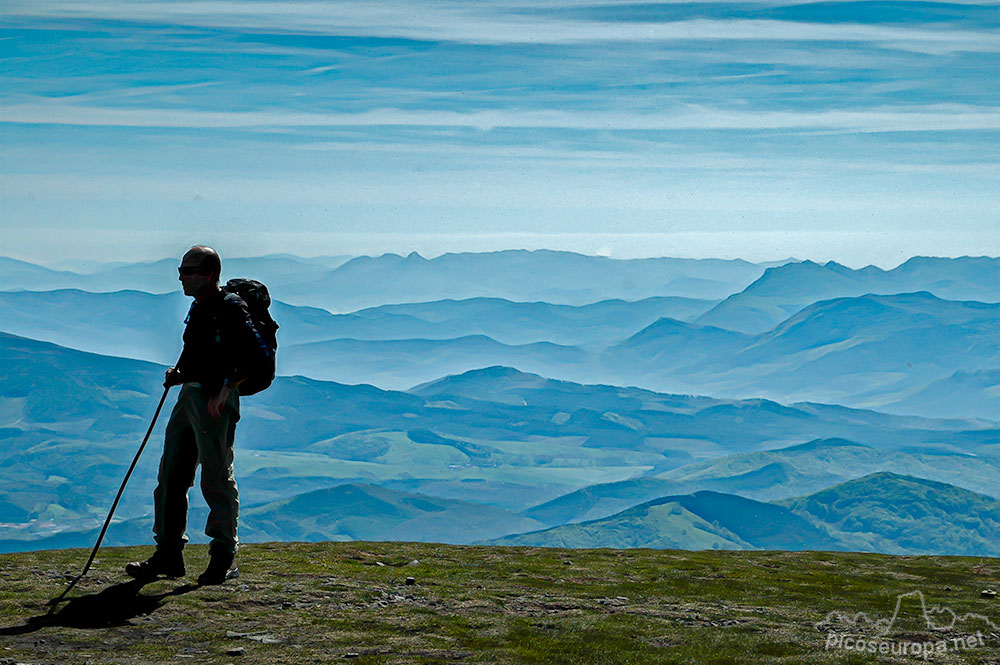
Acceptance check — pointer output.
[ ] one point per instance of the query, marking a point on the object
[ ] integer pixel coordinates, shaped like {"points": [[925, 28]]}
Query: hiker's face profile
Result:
{"points": [[192, 276]]}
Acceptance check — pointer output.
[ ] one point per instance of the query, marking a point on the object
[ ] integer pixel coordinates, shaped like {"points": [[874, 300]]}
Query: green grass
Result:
{"points": [[323, 601]]}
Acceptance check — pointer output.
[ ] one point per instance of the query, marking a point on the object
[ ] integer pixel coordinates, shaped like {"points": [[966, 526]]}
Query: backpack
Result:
{"points": [[257, 299]]}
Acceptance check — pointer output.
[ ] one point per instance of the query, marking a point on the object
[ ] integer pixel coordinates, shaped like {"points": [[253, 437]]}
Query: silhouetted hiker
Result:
{"points": [[220, 341]]}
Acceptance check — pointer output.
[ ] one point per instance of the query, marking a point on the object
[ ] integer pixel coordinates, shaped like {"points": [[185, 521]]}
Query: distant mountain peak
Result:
{"points": [[882, 477], [886, 486], [923, 261], [816, 444], [498, 372], [485, 375]]}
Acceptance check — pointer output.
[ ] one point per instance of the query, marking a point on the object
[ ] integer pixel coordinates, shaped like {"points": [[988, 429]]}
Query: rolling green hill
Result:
{"points": [[888, 512], [703, 520], [881, 512]]}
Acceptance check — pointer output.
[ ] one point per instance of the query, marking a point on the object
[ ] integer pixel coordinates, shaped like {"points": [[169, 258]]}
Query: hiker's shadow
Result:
{"points": [[113, 606]]}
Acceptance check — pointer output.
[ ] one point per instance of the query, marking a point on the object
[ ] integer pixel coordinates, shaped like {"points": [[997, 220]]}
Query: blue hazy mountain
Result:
{"points": [[685, 428], [758, 297], [963, 394], [873, 349], [409, 343], [153, 277], [400, 364], [804, 468], [15, 274], [160, 276], [601, 500], [516, 275], [596, 325], [521, 276], [868, 351], [898, 514], [140, 325], [71, 420], [131, 324], [884, 329], [783, 290], [703, 520], [669, 345], [799, 469]]}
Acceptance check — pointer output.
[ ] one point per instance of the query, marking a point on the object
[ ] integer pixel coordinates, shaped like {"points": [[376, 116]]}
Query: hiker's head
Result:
{"points": [[199, 271]]}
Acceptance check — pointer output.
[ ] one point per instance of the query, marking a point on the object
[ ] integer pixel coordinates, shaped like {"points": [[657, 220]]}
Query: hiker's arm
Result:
{"points": [[244, 339], [175, 374], [234, 331]]}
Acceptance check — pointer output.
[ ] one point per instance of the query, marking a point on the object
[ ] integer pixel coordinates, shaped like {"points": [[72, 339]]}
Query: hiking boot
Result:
{"points": [[220, 568], [161, 564]]}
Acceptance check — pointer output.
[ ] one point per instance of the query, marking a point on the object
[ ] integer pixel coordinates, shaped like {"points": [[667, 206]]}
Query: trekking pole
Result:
{"points": [[121, 490]]}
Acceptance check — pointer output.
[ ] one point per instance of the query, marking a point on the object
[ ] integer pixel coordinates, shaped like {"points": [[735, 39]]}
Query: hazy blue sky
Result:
{"points": [[857, 131]]}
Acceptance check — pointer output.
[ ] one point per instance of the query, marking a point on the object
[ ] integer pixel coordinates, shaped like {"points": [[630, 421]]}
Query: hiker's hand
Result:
{"points": [[218, 403], [172, 377]]}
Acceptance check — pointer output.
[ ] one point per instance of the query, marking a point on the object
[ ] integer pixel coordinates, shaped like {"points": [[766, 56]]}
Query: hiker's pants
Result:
{"points": [[194, 437]]}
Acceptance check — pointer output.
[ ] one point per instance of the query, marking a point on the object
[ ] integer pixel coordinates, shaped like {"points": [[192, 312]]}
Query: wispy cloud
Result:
{"points": [[488, 190], [661, 157], [431, 117], [494, 23], [945, 117]]}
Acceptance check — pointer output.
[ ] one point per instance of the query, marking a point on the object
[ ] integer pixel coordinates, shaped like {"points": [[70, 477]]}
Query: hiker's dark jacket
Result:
{"points": [[220, 342]]}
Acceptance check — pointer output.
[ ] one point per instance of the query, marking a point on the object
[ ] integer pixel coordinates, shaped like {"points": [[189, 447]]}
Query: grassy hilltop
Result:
{"points": [[319, 602]]}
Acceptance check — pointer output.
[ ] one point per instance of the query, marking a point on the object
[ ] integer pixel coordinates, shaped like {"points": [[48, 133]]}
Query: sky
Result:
{"points": [[862, 132]]}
